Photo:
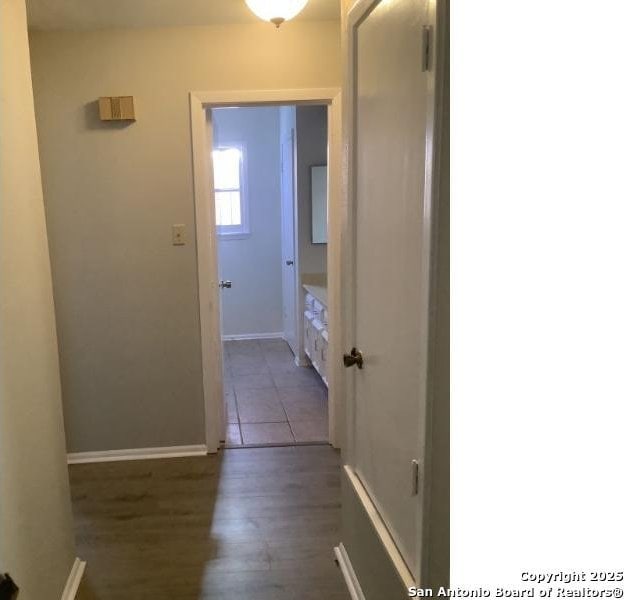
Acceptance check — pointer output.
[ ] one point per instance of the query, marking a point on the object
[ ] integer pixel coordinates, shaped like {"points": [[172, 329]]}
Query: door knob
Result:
{"points": [[225, 284], [8, 589], [290, 263], [355, 358]]}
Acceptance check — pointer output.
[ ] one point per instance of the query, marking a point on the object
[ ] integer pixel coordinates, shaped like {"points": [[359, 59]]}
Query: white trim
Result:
{"points": [[206, 238], [438, 19], [74, 579], [335, 276], [269, 97], [207, 275], [232, 237], [303, 362], [397, 560], [353, 585], [75, 458], [277, 335]]}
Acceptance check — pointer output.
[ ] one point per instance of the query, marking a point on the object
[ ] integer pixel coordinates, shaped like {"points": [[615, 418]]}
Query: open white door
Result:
{"points": [[390, 252], [289, 258], [207, 274]]}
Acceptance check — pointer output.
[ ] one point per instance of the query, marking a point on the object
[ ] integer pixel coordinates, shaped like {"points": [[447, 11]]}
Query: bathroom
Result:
{"points": [[270, 185]]}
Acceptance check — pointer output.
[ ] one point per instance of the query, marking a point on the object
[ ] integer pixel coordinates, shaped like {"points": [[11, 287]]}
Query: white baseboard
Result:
{"points": [[303, 362], [348, 573], [74, 458], [74, 579], [277, 335], [401, 567]]}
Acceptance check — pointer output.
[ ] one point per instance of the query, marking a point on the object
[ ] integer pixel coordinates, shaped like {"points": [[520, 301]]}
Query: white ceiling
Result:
{"points": [[103, 14]]}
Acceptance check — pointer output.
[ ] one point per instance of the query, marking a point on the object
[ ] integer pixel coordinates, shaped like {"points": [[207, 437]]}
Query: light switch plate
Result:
{"points": [[178, 235]]}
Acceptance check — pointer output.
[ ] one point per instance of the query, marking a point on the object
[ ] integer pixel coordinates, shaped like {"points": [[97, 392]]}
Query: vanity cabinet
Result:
{"points": [[315, 328]]}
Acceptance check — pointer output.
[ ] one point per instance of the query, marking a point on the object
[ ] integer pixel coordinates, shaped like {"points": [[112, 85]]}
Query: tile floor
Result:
{"points": [[269, 400]]}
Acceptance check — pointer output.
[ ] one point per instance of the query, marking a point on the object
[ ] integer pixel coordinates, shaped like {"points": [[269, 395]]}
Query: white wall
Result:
{"points": [[36, 538], [126, 299], [311, 152], [253, 264]]}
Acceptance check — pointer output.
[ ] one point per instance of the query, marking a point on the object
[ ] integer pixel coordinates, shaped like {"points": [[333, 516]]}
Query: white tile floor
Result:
{"points": [[271, 401]]}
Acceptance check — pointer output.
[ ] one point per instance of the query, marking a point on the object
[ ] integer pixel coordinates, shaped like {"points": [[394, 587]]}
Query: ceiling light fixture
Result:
{"points": [[276, 11]]}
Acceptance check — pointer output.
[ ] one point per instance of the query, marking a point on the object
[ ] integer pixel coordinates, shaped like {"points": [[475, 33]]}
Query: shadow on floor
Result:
{"points": [[257, 523]]}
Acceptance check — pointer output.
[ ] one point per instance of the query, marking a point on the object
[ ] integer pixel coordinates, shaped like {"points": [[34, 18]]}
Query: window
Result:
{"points": [[230, 198]]}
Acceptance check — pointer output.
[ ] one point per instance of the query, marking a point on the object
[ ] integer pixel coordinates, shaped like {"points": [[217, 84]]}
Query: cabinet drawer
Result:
{"points": [[323, 348], [309, 334], [316, 335]]}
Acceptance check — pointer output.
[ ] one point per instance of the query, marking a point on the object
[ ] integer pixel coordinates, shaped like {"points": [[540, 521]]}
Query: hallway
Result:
{"points": [[258, 523]]}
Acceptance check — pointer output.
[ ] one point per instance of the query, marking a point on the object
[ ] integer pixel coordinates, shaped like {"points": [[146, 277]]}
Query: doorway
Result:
{"points": [[262, 385]]}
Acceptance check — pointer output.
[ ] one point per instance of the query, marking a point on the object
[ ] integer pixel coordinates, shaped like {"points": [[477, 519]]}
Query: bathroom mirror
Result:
{"points": [[319, 204]]}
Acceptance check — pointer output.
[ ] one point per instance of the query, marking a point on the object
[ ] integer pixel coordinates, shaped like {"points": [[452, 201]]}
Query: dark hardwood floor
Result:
{"points": [[247, 523]]}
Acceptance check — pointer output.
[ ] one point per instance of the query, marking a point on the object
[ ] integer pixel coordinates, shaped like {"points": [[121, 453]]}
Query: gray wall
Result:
{"points": [[254, 264], [311, 151], [36, 537], [126, 299]]}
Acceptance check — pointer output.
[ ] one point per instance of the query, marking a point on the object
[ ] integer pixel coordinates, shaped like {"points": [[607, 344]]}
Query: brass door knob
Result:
{"points": [[355, 358]]}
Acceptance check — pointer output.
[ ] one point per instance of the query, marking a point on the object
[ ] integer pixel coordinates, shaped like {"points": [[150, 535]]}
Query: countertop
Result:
{"points": [[318, 291]]}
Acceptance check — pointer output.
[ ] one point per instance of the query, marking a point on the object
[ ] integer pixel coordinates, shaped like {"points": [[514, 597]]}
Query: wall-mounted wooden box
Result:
{"points": [[117, 108]]}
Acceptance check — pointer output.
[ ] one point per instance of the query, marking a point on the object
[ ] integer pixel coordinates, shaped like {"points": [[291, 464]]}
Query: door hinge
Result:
{"points": [[427, 47], [415, 475]]}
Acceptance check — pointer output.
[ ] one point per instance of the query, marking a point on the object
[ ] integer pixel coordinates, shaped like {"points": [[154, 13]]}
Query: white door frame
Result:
{"points": [[296, 347], [206, 241], [358, 12]]}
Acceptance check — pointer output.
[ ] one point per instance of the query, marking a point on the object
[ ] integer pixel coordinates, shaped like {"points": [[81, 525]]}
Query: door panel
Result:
{"points": [[390, 282], [289, 268], [208, 262]]}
